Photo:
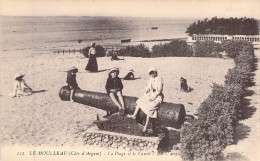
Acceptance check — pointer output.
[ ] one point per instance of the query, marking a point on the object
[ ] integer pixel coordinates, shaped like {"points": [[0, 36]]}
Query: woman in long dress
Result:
{"points": [[150, 102], [92, 65]]}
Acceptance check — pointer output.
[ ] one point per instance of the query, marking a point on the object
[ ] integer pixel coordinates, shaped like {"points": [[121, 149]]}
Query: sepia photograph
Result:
{"points": [[168, 80]]}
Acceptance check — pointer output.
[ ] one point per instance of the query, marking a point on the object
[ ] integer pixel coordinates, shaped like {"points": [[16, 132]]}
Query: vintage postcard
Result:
{"points": [[129, 80]]}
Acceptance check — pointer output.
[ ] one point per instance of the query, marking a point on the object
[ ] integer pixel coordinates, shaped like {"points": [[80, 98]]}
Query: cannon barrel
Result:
{"points": [[169, 114]]}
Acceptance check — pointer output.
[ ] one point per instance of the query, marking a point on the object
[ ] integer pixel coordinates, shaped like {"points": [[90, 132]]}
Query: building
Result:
{"points": [[254, 39]]}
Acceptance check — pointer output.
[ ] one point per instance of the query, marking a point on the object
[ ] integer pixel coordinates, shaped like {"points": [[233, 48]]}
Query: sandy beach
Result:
{"points": [[43, 119]]}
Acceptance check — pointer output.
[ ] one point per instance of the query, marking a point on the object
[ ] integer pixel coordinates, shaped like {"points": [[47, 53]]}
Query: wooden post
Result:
{"points": [[74, 51], [69, 51], [58, 51], [63, 51]]}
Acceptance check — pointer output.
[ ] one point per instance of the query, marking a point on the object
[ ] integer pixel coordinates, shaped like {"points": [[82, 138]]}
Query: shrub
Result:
{"points": [[100, 51], [219, 116], [244, 60], [174, 48], [229, 96], [206, 49], [201, 141], [85, 51], [238, 76], [232, 94], [224, 108], [135, 51], [233, 47], [206, 137]]}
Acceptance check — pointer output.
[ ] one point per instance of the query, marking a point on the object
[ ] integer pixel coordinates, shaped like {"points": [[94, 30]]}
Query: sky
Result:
{"points": [[132, 8]]}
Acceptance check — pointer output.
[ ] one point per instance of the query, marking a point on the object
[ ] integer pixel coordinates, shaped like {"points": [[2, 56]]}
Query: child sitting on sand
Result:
{"points": [[130, 75], [20, 87], [114, 88], [71, 80]]}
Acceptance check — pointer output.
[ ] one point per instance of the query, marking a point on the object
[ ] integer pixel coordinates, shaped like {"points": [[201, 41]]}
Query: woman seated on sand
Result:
{"points": [[130, 75], [20, 87], [114, 88], [150, 102], [114, 57]]}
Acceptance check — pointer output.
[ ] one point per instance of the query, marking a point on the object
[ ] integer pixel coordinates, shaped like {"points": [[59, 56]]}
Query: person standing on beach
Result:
{"points": [[114, 88], [150, 102], [92, 65]]}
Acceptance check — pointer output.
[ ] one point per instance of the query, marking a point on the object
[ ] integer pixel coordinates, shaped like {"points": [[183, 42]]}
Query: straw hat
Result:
{"points": [[152, 69], [18, 75], [72, 69], [114, 69], [131, 70]]}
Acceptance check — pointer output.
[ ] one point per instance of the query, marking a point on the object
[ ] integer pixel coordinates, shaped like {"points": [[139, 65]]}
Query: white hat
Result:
{"points": [[131, 70], [72, 68], [152, 69], [113, 69], [18, 75]]}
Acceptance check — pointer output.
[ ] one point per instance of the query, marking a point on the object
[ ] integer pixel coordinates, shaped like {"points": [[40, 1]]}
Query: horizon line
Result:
{"points": [[124, 16]]}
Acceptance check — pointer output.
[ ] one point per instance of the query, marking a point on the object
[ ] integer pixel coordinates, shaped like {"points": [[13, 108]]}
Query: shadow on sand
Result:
{"points": [[40, 91], [132, 79], [235, 157], [248, 110], [103, 70], [241, 132], [174, 136]]}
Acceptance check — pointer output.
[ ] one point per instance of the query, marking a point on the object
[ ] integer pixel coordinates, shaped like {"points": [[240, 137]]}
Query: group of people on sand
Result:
{"points": [[149, 103]]}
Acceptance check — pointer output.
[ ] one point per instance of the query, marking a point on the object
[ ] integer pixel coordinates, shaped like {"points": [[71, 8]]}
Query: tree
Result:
{"points": [[225, 26]]}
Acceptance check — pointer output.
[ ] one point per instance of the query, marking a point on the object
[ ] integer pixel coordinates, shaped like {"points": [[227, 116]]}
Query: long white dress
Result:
{"points": [[154, 88], [20, 89]]}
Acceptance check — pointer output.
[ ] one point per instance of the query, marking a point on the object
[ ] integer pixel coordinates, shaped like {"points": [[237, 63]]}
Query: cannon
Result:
{"points": [[169, 114]]}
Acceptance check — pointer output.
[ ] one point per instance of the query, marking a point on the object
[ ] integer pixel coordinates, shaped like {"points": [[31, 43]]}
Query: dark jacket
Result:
{"points": [[114, 83], [71, 80]]}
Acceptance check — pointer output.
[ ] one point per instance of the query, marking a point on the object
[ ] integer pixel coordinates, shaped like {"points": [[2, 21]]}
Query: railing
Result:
{"points": [[74, 51], [219, 38]]}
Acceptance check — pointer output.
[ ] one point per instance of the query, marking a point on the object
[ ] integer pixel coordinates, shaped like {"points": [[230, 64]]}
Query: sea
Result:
{"points": [[65, 32]]}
